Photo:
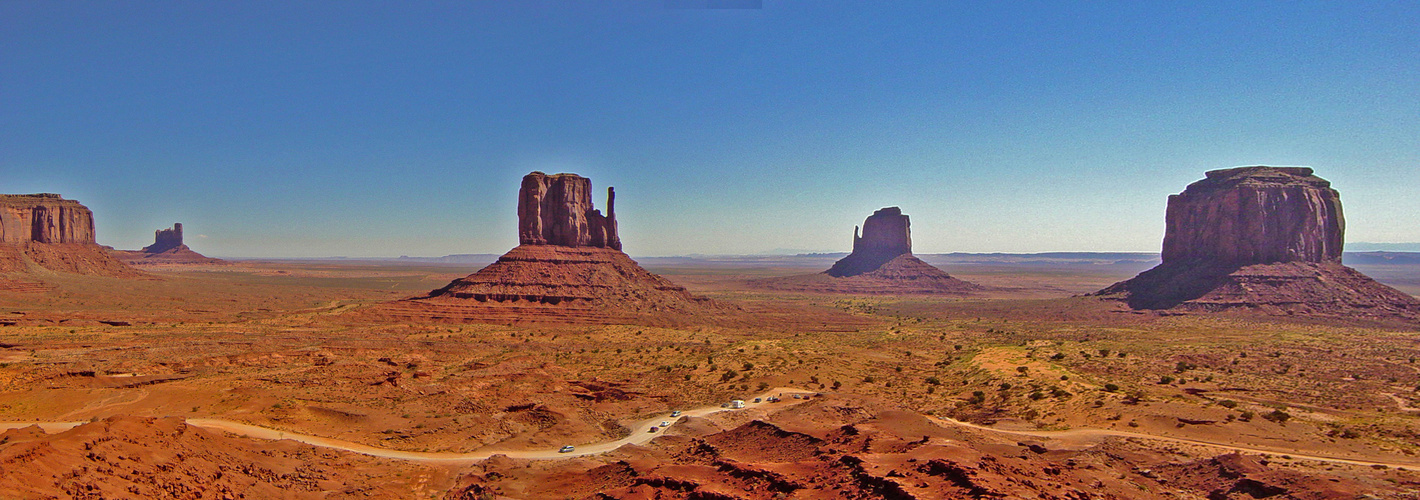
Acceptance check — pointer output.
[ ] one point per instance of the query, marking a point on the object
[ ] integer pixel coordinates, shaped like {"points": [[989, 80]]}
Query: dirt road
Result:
{"points": [[639, 434], [1099, 434]]}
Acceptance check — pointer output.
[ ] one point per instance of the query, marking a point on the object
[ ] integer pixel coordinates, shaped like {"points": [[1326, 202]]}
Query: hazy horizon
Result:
{"points": [[370, 129]]}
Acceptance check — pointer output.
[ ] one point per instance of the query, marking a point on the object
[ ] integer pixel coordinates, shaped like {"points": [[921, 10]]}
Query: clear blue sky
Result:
{"points": [[291, 128]]}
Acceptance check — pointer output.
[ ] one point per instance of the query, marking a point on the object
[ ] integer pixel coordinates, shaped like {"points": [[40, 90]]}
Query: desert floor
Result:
{"points": [[1028, 391]]}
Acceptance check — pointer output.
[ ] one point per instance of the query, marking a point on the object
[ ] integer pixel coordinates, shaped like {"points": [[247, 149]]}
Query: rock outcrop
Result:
{"points": [[558, 210], [886, 235], [1255, 215], [44, 218], [166, 239], [45, 232], [167, 249], [569, 268], [881, 262], [1259, 238]]}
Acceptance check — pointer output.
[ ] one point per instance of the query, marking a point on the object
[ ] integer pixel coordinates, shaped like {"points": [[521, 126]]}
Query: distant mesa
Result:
{"points": [[43, 233], [569, 268], [881, 262], [1260, 238], [167, 249]]}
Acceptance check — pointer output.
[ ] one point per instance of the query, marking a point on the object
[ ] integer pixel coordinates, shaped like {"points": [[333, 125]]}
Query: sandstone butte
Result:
{"points": [[881, 263], [45, 233], [1265, 239], [568, 268], [167, 248]]}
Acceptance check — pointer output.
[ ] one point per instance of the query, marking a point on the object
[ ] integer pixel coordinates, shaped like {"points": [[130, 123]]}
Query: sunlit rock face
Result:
{"points": [[1264, 239], [568, 268], [558, 210], [1255, 215], [44, 218]]}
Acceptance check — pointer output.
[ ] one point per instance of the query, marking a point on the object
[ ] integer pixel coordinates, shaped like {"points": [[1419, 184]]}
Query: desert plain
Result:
{"points": [[155, 387]]}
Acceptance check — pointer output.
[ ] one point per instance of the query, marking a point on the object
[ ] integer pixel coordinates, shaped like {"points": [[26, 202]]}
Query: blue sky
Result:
{"points": [[289, 129]]}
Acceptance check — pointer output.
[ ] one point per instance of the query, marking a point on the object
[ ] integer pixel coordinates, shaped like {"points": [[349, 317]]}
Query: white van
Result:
{"points": [[737, 404]]}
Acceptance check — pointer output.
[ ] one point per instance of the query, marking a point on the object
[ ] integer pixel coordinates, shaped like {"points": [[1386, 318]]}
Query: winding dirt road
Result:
{"points": [[639, 436]]}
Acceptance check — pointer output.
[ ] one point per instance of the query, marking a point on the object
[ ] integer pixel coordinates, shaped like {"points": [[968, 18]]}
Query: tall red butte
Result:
{"points": [[568, 268], [881, 263], [42, 233], [1267, 239]]}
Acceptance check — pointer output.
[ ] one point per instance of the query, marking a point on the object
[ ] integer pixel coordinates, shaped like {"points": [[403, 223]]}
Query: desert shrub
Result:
{"points": [[1228, 403], [1183, 367], [1245, 416], [869, 379], [934, 381], [763, 385], [1111, 387], [1022, 369], [837, 384], [1278, 416], [748, 366], [1037, 395], [1350, 434], [1166, 379], [1058, 356], [730, 375], [1104, 353], [1005, 386], [977, 397]]}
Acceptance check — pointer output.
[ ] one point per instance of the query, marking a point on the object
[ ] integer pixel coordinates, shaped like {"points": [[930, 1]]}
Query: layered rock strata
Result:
{"points": [[1259, 238], [45, 232], [557, 210], [881, 263], [569, 268]]}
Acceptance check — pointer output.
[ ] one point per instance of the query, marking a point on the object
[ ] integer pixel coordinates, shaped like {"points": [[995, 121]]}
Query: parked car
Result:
{"points": [[652, 430], [566, 449], [665, 424], [756, 400], [675, 413]]}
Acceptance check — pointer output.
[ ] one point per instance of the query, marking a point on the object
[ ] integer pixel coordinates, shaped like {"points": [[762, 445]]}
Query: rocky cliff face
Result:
{"points": [[44, 218], [569, 268], [886, 235], [1263, 239], [1255, 215], [558, 210], [166, 239]]}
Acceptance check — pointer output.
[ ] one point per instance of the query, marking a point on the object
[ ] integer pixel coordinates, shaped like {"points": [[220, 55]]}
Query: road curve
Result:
{"points": [[639, 435], [1090, 432]]}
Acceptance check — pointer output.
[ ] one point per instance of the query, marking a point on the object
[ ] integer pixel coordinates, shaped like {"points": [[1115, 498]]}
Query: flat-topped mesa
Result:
{"points": [[44, 218], [166, 239], [558, 210], [886, 235], [45, 232], [1255, 215], [1265, 239]]}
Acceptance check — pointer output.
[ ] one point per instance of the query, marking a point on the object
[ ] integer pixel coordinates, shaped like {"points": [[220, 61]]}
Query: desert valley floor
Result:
{"points": [[174, 385]]}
